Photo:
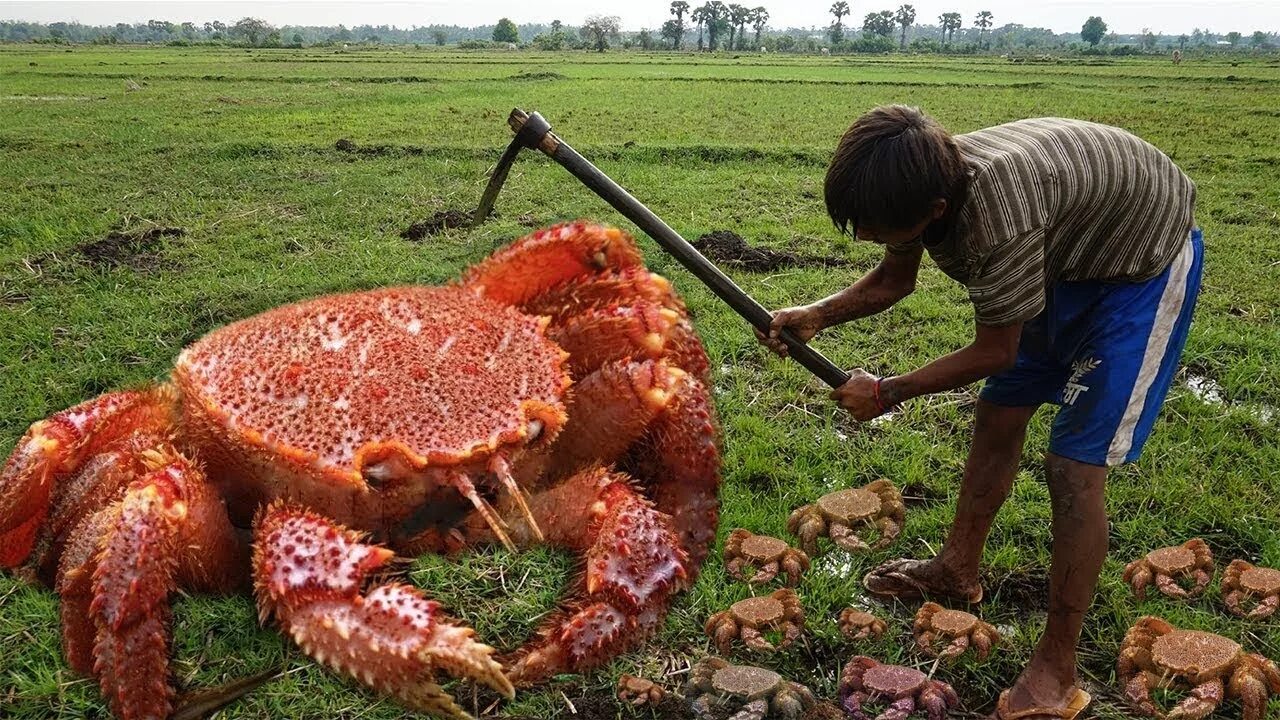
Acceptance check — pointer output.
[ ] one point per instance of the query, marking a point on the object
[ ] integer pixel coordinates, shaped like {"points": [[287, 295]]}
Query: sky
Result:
{"points": [[1123, 16]]}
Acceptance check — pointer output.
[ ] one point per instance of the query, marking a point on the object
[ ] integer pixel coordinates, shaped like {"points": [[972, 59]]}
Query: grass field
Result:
{"points": [[237, 148]]}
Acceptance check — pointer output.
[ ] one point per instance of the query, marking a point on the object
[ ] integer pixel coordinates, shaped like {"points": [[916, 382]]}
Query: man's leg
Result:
{"points": [[1079, 547], [998, 436]]}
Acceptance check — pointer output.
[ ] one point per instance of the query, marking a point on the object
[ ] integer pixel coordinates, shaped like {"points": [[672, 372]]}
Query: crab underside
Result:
{"points": [[556, 394]]}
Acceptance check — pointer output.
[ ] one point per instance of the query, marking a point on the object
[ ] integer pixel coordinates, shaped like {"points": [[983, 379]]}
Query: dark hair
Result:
{"points": [[890, 166]]}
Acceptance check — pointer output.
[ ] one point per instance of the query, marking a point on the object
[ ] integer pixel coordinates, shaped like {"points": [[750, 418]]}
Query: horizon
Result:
{"points": [[1124, 17]]}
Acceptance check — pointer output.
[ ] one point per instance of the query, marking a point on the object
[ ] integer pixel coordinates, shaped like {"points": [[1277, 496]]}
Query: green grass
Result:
{"points": [[237, 148]]}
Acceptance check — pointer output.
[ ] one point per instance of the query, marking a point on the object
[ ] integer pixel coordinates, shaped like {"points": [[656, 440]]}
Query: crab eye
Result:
{"points": [[535, 431], [600, 260]]}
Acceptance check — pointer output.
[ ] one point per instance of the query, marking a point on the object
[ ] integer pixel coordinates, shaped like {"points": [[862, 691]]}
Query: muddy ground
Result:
{"points": [[727, 248], [438, 223], [138, 249]]}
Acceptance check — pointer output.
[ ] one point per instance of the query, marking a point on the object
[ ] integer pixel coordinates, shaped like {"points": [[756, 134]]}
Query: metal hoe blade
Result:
{"points": [[533, 131]]}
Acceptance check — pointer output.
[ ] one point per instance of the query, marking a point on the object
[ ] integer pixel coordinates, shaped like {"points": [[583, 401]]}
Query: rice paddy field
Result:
{"points": [[148, 196]]}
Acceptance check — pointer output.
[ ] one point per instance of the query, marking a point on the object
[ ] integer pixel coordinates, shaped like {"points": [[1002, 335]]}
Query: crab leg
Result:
{"points": [[633, 563], [502, 469], [309, 573], [1200, 702], [547, 258], [468, 490], [58, 446], [639, 331]]}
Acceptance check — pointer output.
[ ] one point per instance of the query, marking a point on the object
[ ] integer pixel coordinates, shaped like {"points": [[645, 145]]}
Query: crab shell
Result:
{"points": [[1165, 566], [838, 514], [1243, 581], [770, 555], [859, 624], [1155, 654], [935, 622], [639, 691], [430, 418], [748, 619], [754, 691]]}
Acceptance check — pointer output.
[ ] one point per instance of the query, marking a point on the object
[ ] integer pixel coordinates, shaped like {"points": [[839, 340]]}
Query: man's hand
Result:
{"points": [[858, 395], [804, 322]]}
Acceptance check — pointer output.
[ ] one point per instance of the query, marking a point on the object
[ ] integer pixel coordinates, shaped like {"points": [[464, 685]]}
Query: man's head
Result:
{"points": [[895, 171]]}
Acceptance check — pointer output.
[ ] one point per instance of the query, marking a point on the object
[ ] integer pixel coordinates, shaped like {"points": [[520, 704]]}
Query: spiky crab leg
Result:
{"points": [[54, 448], [309, 573], [632, 564]]}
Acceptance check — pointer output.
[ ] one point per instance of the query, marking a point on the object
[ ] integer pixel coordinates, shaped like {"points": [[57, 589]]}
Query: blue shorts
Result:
{"points": [[1106, 354]]}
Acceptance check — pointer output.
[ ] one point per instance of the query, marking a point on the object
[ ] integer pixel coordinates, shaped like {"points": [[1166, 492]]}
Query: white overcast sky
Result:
{"points": [[1124, 16]]}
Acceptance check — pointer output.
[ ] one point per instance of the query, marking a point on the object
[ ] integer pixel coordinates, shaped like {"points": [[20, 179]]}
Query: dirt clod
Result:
{"points": [[437, 223], [137, 249], [728, 248], [345, 145]]}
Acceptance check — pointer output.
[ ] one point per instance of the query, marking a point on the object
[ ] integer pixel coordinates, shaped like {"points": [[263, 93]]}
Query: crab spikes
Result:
{"points": [[502, 469], [463, 485]]}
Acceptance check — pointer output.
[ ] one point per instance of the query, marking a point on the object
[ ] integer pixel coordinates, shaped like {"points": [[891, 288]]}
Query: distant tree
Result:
{"points": [[506, 31], [905, 15], [951, 22], [699, 18], [252, 30], [1198, 36], [439, 37], [1258, 39], [645, 39], [297, 39], [738, 17], [678, 9], [671, 32], [189, 30], [878, 23], [717, 18], [1148, 39], [760, 19], [839, 9], [1093, 30], [600, 29], [1182, 41], [1233, 37], [557, 26], [983, 22]]}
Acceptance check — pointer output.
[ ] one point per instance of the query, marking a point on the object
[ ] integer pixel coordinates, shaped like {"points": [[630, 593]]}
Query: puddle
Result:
{"points": [[1208, 391]]}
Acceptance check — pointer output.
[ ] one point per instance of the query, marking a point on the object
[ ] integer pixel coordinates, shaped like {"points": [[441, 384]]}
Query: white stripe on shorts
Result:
{"points": [[1171, 300]]}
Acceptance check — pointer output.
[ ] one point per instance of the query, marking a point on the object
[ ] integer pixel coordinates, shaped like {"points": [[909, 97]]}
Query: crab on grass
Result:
{"points": [[754, 692], [858, 624], [1155, 654], [957, 628], [838, 515], [423, 419], [1243, 582], [749, 619], [638, 691], [901, 690], [1165, 567], [744, 550]]}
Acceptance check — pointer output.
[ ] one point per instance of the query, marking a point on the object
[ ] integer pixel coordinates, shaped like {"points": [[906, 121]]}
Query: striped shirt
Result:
{"points": [[1052, 199]]}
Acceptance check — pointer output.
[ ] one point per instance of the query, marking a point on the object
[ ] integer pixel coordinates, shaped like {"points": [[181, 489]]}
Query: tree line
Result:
{"points": [[712, 26]]}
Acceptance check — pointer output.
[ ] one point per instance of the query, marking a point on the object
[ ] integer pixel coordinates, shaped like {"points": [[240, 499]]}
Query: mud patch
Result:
{"points": [[538, 75], [136, 249], [727, 248], [351, 148], [437, 223], [914, 494]]}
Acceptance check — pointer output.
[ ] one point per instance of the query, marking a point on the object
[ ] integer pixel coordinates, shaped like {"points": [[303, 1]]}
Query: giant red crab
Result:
{"points": [[556, 393]]}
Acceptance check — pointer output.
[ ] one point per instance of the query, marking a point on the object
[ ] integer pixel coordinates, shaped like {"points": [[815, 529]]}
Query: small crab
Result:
{"points": [[638, 691], [1243, 581], [859, 625], [837, 514], [1166, 566], [748, 619], [757, 692], [1155, 654], [934, 621], [865, 680], [768, 555]]}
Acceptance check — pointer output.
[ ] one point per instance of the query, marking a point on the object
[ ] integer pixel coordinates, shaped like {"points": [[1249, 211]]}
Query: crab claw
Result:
{"points": [[309, 572]]}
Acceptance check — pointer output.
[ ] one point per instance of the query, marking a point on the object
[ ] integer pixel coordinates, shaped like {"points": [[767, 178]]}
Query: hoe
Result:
{"points": [[533, 131]]}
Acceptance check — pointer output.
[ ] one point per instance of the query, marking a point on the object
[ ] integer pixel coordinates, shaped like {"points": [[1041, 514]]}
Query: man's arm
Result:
{"points": [[893, 279], [993, 350]]}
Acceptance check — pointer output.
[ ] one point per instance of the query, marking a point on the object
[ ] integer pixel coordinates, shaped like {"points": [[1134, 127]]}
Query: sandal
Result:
{"points": [[1077, 705], [891, 580]]}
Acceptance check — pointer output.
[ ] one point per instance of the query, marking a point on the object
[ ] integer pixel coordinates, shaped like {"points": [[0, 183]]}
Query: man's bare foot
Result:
{"points": [[1039, 693], [907, 579]]}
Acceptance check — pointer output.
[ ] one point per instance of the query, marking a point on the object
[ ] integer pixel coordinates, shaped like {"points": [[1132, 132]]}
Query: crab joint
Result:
{"points": [[502, 469], [463, 485]]}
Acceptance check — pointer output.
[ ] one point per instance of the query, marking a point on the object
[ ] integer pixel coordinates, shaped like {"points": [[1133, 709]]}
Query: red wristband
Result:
{"points": [[880, 408]]}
